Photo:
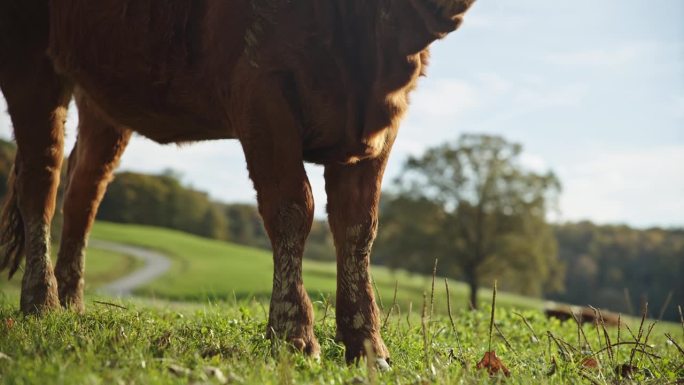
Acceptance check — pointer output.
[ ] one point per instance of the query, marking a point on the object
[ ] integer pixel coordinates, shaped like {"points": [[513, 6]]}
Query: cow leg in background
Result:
{"points": [[353, 196], [99, 147], [273, 151], [37, 101]]}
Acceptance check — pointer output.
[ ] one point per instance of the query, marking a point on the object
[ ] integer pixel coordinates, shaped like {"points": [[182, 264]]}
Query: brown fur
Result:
{"points": [[11, 229], [294, 81]]}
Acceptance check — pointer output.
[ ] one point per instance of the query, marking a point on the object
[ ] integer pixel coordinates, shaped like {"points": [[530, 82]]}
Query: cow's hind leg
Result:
{"points": [[353, 195], [272, 147], [99, 147], [37, 100]]}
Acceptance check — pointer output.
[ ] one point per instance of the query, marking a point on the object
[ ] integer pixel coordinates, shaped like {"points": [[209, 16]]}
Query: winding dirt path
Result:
{"points": [[156, 264]]}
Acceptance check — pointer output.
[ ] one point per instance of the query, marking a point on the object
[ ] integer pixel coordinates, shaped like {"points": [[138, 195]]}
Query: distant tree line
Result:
{"points": [[622, 268], [468, 203]]}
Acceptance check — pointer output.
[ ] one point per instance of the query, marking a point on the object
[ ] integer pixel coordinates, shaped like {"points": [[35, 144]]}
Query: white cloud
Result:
{"points": [[446, 99], [497, 22], [614, 57], [638, 186], [535, 163]]}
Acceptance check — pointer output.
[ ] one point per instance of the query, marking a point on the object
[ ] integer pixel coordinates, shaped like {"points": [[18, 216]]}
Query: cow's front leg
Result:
{"points": [[273, 151], [353, 195]]}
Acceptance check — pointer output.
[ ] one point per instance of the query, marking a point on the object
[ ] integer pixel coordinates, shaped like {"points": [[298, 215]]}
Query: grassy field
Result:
{"points": [[161, 337], [206, 269], [171, 343]]}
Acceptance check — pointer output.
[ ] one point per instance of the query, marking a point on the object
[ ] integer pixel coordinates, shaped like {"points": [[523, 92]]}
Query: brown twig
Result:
{"points": [[580, 332], [611, 356], [377, 294], [432, 291], [637, 344], [451, 318], [408, 315], [394, 303], [110, 304], [681, 317], [619, 327], [424, 330], [503, 337], [641, 332], [669, 337], [325, 311], [663, 308], [561, 347], [491, 320], [596, 325], [536, 337]]}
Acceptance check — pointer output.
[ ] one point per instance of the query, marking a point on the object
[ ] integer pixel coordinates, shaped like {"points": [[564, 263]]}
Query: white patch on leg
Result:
{"points": [[358, 321]]}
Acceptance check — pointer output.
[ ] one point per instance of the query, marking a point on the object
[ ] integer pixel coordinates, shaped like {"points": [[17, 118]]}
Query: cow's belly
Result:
{"points": [[149, 64]]}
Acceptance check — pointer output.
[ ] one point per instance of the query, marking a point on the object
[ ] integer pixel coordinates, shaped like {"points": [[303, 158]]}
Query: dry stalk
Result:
{"points": [[491, 320], [377, 294], [110, 304], [503, 337], [432, 291], [536, 337], [451, 318], [394, 304], [615, 345], [669, 337], [424, 330], [619, 327], [611, 356], [596, 325], [580, 332], [408, 315], [681, 317], [567, 356], [663, 308], [641, 332]]}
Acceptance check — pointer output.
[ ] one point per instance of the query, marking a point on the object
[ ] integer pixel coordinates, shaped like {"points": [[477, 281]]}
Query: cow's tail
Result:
{"points": [[11, 229]]}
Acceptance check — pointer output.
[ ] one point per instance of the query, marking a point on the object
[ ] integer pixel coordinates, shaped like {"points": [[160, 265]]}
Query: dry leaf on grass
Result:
{"points": [[9, 322], [493, 364], [590, 363]]}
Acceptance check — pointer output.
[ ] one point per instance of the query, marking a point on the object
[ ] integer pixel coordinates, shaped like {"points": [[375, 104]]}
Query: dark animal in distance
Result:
{"points": [[324, 81], [582, 315]]}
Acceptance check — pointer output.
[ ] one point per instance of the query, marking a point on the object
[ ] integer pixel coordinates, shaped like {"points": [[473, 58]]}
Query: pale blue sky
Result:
{"points": [[594, 90]]}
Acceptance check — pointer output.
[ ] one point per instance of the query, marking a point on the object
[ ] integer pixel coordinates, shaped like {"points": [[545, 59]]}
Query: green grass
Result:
{"points": [[208, 269], [164, 343]]}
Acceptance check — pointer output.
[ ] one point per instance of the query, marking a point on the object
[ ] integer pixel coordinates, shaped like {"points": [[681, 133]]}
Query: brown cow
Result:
{"points": [[324, 81]]}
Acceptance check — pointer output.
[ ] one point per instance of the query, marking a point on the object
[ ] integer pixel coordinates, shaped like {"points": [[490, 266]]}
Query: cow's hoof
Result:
{"points": [[383, 364], [39, 296], [356, 348], [72, 301], [307, 345]]}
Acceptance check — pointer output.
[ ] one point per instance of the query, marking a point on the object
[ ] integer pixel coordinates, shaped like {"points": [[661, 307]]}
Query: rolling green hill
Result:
{"points": [[209, 269], [102, 266]]}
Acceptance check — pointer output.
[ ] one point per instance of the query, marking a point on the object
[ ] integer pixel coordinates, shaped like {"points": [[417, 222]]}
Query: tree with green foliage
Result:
{"points": [[620, 268], [473, 204]]}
